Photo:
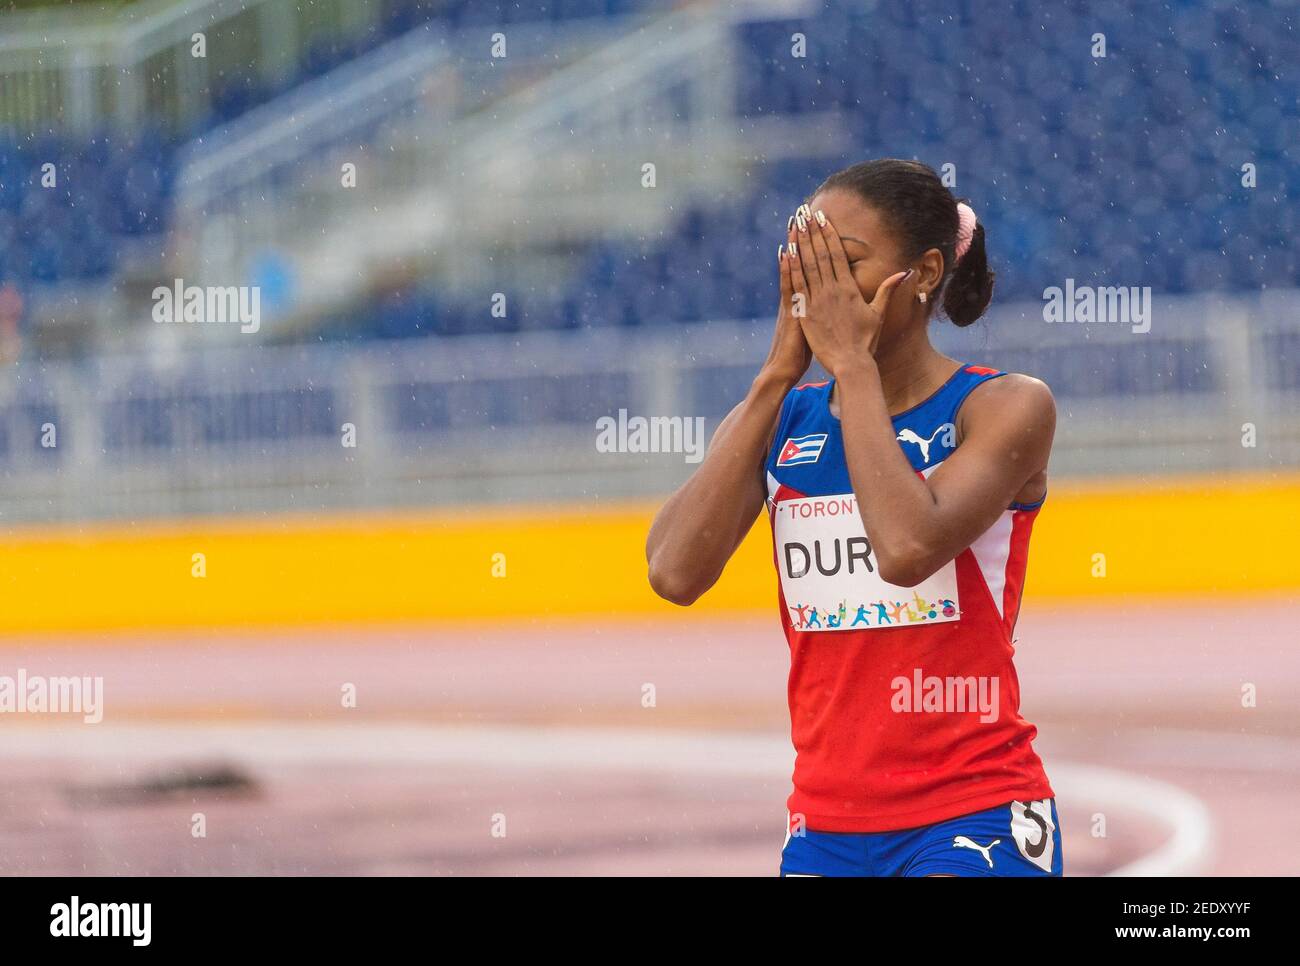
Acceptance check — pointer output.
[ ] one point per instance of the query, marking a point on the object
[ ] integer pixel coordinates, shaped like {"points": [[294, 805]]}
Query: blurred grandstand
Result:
{"points": [[521, 176]]}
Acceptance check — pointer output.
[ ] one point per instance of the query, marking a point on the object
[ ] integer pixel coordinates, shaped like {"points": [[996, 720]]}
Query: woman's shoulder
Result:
{"points": [[1014, 398], [1018, 385], [807, 393]]}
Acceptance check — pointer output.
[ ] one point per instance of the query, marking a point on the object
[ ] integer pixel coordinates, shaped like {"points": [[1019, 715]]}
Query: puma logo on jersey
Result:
{"points": [[909, 436], [962, 842]]}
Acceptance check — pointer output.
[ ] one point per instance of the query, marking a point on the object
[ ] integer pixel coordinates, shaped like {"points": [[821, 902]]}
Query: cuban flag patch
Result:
{"points": [[801, 449]]}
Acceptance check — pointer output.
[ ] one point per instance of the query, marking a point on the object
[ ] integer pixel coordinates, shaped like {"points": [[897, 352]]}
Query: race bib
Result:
{"points": [[830, 578]]}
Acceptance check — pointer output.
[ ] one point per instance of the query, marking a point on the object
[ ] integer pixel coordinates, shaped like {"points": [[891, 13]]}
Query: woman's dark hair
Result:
{"points": [[923, 215]]}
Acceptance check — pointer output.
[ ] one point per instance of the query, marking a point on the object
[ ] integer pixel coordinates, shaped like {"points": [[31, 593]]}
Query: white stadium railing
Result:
{"points": [[492, 419], [78, 67]]}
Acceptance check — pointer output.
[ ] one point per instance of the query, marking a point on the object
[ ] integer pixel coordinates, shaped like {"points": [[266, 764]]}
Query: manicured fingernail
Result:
{"points": [[779, 250], [803, 224], [821, 219], [907, 276], [789, 224], [805, 211], [794, 250]]}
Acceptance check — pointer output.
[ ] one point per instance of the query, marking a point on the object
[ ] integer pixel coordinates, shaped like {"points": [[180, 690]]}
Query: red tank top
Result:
{"points": [[904, 702]]}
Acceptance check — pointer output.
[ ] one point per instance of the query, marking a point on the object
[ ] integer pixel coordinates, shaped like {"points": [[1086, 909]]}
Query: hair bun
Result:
{"points": [[970, 288]]}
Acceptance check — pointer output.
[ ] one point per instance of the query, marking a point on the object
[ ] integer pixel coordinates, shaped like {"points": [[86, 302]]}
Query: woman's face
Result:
{"points": [[874, 255]]}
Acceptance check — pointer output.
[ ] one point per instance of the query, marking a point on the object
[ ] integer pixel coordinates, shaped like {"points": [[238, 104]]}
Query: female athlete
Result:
{"points": [[901, 494]]}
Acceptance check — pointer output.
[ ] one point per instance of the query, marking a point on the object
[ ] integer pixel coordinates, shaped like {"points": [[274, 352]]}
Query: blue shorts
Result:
{"points": [[1017, 839]]}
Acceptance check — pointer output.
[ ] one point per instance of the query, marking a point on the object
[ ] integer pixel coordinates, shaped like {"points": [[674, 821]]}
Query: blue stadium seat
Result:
{"points": [[1078, 167]]}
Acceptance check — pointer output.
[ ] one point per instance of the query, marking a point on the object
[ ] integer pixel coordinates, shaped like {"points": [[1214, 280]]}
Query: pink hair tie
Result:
{"points": [[965, 228]]}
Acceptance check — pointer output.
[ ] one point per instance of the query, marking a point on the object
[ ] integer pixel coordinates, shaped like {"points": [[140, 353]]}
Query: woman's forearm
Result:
{"points": [[895, 503], [699, 527]]}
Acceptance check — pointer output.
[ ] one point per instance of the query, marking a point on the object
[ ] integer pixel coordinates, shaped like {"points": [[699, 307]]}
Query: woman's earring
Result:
{"points": [[921, 297]]}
